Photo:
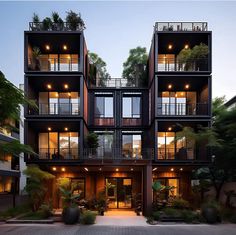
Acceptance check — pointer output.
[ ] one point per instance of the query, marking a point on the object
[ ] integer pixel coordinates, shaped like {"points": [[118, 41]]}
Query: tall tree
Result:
{"points": [[11, 98], [134, 68], [101, 70]]}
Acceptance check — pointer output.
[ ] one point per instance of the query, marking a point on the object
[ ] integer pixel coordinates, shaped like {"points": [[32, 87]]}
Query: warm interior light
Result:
{"points": [[182, 93], [49, 86], [181, 169], [47, 47], [100, 169], [172, 169], [49, 128], [169, 128], [154, 169], [117, 169], [64, 47], [66, 86], [170, 46], [54, 168], [86, 168], [57, 95], [63, 169], [169, 86], [66, 128], [186, 46], [132, 169], [186, 86], [69, 94]]}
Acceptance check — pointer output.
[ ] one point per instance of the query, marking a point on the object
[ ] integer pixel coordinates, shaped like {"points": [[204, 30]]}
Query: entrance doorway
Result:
{"points": [[119, 193]]}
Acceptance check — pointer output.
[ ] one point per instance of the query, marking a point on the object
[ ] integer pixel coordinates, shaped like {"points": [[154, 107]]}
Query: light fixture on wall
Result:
{"points": [[49, 86], [132, 169], [169, 86], [54, 168], [66, 128], [100, 169], [181, 169], [47, 47], [172, 169], [170, 46], [187, 86], [64, 47], [63, 169], [169, 128], [66, 86], [117, 169], [49, 128]]}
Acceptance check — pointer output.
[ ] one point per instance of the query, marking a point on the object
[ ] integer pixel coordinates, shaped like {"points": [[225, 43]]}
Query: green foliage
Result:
{"points": [[134, 68], [35, 18], [211, 204], [156, 215], [75, 21], [46, 209], [190, 216], [13, 212], [36, 185], [88, 217], [47, 23], [199, 51], [92, 140], [180, 203], [35, 215], [172, 212], [55, 17]]}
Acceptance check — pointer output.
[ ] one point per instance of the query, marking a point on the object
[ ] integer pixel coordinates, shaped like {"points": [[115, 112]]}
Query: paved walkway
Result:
{"points": [[61, 229]]}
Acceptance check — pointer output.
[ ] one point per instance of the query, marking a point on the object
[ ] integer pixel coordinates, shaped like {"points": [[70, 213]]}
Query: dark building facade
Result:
{"points": [[136, 125]]}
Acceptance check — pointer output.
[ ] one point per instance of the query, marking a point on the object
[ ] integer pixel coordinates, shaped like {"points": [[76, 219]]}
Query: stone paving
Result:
{"points": [[61, 229]]}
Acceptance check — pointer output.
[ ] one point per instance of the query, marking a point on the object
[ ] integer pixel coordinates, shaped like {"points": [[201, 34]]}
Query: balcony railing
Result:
{"points": [[176, 154], [102, 153], [181, 26], [55, 154], [116, 83], [56, 109], [63, 26], [182, 109], [174, 65], [46, 64]]}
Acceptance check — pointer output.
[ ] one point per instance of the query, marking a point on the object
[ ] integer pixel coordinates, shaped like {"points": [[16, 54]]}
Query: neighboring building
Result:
{"points": [[231, 104], [136, 125]]}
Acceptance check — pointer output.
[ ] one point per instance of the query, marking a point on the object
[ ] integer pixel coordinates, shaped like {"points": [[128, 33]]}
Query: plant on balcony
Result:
{"points": [[58, 22], [92, 143], [70, 214], [35, 61], [47, 24], [36, 21], [74, 21], [134, 68], [37, 185]]}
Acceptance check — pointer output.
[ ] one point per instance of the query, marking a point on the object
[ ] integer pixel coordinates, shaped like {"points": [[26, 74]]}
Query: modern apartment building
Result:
{"points": [[136, 125]]}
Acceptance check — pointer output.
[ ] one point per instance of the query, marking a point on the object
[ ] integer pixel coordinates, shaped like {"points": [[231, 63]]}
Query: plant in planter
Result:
{"points": [[92, 143], [211, 212], [47, 24], [88, 217], [75, 21], [58, 23], [36, 21], [70, 214]]}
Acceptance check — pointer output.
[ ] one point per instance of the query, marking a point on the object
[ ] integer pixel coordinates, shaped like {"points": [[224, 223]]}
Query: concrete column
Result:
{"points": [[147, 190]]}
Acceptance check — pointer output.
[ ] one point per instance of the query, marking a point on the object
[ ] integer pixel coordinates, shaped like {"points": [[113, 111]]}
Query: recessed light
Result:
{"points": [[181, 169], [63, 169], [49, 128], [100, 169], [169, 128], [49, 86], [170, 46], [169, 86], [132, 169], [86, 169], [117, 169], [66, 86], [54, 168], [154, 169], [186, 86], [66, 128], [47, 47], [64, 47], [186, 46], [172, 169]]}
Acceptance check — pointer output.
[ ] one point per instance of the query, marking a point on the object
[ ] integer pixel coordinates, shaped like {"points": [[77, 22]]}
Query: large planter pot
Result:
{"points": [[210, 214], [70, 215]]}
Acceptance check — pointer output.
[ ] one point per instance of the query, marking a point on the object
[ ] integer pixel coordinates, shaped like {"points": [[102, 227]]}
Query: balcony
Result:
{"points": [[182, 109], [54, 63], [102, 153], [56, 109], [181, 26], [62, 26], [173, 154], [174, 65]]}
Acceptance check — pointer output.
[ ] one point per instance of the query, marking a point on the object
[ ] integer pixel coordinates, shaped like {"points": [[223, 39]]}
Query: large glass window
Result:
{"points": [[105, 141], [79, 187], [171, 147], [132, 145], [131, 107], [104, 107]]}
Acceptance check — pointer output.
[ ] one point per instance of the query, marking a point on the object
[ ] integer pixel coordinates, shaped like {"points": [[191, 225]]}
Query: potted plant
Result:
{"points": [[58, 23], [70, 213], [74, 21], [92, 143], [211, 212], [47, 24], [36, 22]]}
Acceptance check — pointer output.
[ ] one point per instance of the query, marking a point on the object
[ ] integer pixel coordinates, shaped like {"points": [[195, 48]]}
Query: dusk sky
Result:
{"points": [[115, 27]]}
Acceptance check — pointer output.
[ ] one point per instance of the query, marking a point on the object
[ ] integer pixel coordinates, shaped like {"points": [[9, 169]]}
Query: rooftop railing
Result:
{"points": [[63, 26], [181, 26]]}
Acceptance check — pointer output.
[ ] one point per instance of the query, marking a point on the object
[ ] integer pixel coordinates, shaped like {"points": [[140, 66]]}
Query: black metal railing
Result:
{"points": [[175, 65], [182, 109], [62, 26], [102, 153], [56, 109], [181, 26], [56, 154], [176, 153], [46, 64]]}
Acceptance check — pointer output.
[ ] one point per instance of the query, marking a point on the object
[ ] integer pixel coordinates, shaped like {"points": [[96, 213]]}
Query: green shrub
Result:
{"points": [[190, 216], [88, 217], [179, 203], [12, 212], [172, 212], [46, 209], [156, 215]]}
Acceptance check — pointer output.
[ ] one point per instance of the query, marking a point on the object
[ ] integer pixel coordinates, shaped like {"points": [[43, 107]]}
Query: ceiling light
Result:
{"points": [[47, 47], [170, 46], [49, 86], [132, 169], [63, 169], [181, 169], [64, 47], [117, 169], [49, 128], [169, 128], [169, 86], [154, 169], [86, 168], [54, 168], [186, 46], [172, 169], [66, 86], [186, 86], [66, 128], [100, 169]]}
